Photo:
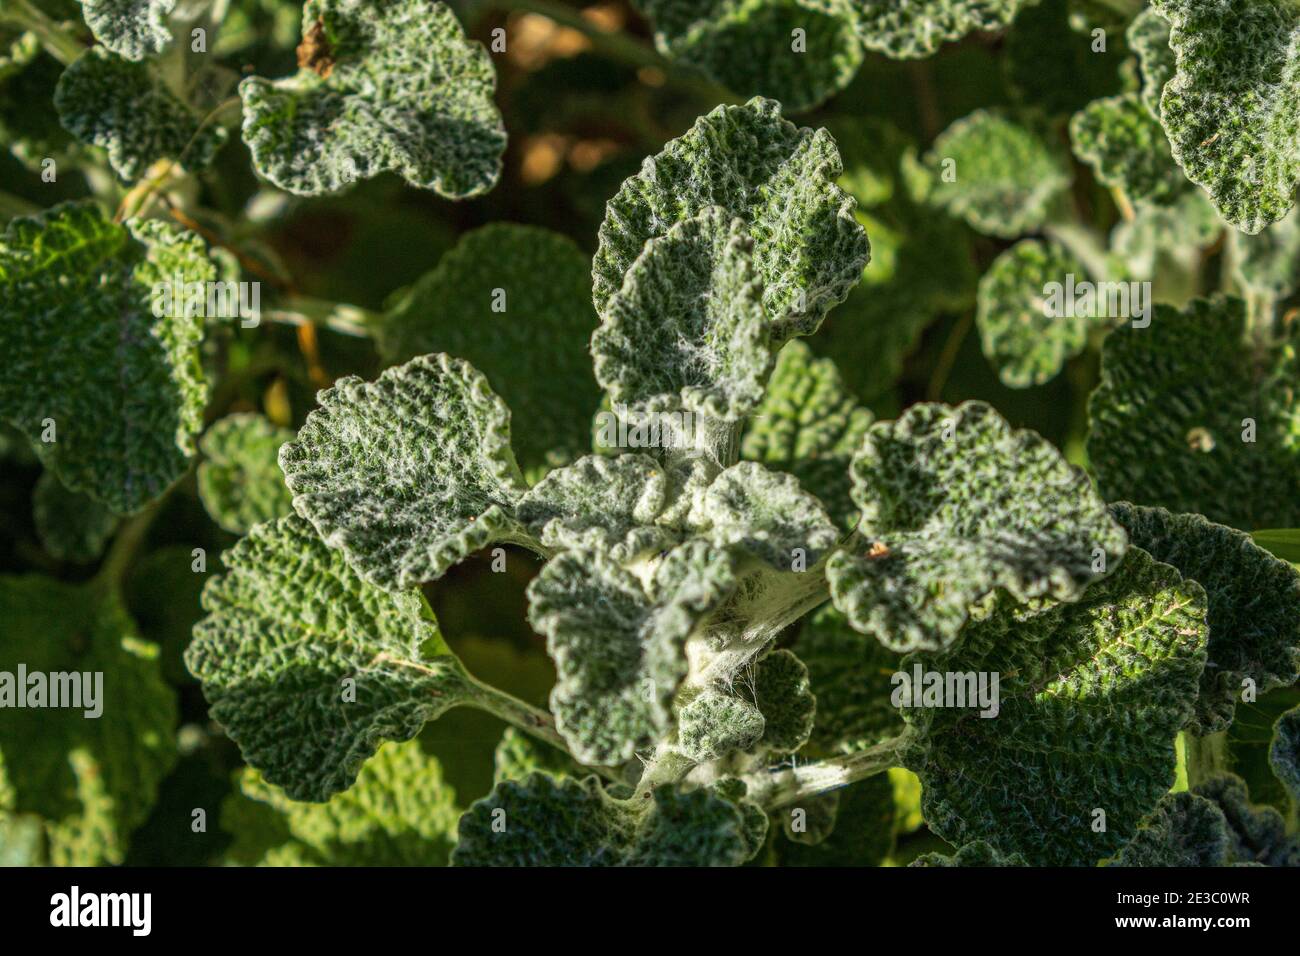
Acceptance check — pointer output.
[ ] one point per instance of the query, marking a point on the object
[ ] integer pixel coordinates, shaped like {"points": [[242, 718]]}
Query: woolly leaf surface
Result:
{"points": [[383, 86], [1167, 422], [407, 474], [1254, 605], [309, 668], [534, 353], [809, 251], [83, 349], [956, 504], [1091, 697]]}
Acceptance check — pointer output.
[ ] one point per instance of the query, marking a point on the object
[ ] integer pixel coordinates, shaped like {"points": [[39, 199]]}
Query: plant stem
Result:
{"points": [[727, 653], [1206, 757], [126, 543], [531, 720], [665, 768], [1084, 244], [948, 357], [318, 313], [58, 42], [781, 786]]}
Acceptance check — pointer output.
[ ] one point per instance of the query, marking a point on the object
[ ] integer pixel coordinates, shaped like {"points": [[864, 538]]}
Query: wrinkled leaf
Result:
{"points": [[384, 86], [1022, 333], [308, 668], [1176, 402], [1000, 176], [748, 46], [809, 425], [1232, 108], [1254, 605], [240, 482], [126, 109], [956, 504], [88, 363], [1091, 697], [91, 779], [515, 302], [407, 474], [809, 251]]}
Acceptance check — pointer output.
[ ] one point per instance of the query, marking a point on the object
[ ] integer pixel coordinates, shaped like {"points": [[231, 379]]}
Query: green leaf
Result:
{"points": [[1254, 606], [978, 853], [912, 29], [122, 387], [366, 101], [748, 46], [240, 483], [809, 251], [688, 330], [308, 667], [407, 474], [851, 677], [783, 694], [1256, 834], [809, 425], [1171, 433], [956, 505], [515, 302], [1184, 830], [569, 822], [863, 833], [1022, 338], [399, 812], [767, 515], [999, 175], [1269, 263], [71, 526], [604, 504], [717, 723], [518, 755], [1148, 38], [1127, 149], [1091, 696], [1284, 753], [134, 29], [91, 779], [1232, 109], [128, 110], [618, 645]]}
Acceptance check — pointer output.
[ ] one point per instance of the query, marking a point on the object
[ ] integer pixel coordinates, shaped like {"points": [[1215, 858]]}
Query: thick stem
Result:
{"points": [[56, 40], [781, 786], [1206, 757], [665, 768], [531, 720], [761, 626]]}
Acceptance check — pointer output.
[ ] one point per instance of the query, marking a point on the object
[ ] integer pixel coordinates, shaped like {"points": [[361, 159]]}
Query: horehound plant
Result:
{"points": [[742, 565], [945, 539]]}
